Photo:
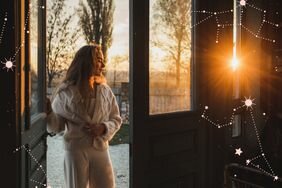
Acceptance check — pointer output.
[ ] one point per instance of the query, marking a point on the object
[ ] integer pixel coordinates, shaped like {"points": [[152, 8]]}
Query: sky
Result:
{"points": [[120, 45]]}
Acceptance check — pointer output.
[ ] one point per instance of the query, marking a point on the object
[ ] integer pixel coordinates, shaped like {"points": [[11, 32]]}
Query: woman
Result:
{"points": [[85, 108]]}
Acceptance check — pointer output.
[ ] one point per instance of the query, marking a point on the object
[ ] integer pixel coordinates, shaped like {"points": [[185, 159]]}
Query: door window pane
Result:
{"points": [[170, 56], [33, 33]]}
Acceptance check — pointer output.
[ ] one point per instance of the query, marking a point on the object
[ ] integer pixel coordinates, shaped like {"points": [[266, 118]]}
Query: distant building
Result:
{"points": [[121, 91]]}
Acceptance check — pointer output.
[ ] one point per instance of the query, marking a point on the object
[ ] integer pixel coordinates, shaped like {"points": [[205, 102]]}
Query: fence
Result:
{"points": [[163, 100]]}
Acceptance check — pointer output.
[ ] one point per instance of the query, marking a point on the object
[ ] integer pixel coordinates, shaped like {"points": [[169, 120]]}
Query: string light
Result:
{"points": [[220, 125], [243, 4], [9, 62], [3, 27], [40, 166], [248, 103]]}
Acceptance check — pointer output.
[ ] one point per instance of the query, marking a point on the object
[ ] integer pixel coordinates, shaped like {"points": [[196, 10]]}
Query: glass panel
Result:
{"points": [[170, 56], [33, 32]]}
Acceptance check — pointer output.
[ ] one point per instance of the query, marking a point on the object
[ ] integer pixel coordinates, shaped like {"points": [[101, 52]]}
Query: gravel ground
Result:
{"points": [[55, 157]]}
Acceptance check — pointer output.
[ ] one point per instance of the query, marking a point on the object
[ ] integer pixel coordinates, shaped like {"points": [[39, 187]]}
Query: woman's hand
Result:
{"points": [[95, 129]]}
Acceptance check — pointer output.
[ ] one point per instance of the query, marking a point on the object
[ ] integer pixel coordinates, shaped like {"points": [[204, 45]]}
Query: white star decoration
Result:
{"points": [[249, 102], [238, 151], [8, 65], [243, 2]]}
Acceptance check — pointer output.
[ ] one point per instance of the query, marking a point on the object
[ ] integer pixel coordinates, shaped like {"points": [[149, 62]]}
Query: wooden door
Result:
{"points": [[32, 92], [168, 142], [9, 128], [23, 159]]}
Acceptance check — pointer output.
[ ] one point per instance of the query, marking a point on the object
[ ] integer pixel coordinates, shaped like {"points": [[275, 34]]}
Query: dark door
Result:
{"points": [[168, 144], [254, 79], [31, 87]]}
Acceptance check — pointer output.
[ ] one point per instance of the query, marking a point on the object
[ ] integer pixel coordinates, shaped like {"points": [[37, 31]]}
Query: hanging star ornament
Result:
{"points": [[238, 151], [248, 102], [243, 2], [8, 64]]}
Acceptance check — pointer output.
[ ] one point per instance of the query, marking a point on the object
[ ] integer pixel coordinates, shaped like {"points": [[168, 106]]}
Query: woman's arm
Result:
{"points": [[114, 122], [55, 123]]}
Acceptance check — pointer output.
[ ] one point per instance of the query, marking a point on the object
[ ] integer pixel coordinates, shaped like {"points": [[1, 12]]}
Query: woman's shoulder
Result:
{"points": [[105, 88], [67, 90], [63, 88]]}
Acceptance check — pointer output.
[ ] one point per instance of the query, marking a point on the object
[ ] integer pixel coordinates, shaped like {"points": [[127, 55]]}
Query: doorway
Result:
{"points": [[60, 49]]}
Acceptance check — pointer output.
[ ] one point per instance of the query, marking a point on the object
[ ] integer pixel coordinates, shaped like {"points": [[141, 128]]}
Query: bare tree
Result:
{"points": [[96, 20], [171, 22], [61, 39]]}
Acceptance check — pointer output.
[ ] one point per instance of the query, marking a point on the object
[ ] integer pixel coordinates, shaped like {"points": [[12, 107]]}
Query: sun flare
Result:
{"points": [[234, 63]]}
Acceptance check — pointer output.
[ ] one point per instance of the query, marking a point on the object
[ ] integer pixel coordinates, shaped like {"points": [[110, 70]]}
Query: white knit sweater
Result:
{"points": [[70, 115]]}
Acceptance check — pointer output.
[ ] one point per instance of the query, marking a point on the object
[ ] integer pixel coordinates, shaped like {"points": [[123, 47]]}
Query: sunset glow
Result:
{"points": [[234, 63]]}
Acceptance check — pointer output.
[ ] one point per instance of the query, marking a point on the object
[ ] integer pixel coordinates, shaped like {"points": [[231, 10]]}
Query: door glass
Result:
{"points": [[33, 34], [170, 56]]}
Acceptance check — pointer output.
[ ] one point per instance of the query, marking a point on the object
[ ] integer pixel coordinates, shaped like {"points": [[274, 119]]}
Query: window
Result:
{"points": [[33, 34], [170, 56]]}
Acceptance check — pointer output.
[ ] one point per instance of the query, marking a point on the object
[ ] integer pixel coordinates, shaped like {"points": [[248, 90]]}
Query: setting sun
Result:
{"points": [[234, 63]]}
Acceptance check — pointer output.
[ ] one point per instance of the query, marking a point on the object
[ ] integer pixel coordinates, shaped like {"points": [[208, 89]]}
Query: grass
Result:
{"points": [[122, 136]]}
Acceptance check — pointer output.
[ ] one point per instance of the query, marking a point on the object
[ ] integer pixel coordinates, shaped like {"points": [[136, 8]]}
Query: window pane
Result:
{"points": [[33, 32], [170, 56]]}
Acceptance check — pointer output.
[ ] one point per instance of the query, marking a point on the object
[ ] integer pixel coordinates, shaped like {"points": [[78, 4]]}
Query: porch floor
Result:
{"points": [[55, 157]]}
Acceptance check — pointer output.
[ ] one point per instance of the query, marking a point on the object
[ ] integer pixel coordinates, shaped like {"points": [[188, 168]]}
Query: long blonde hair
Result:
{"points": [[82, 68]]}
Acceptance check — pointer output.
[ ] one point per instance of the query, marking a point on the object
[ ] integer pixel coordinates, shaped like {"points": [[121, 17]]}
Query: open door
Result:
{"points": [[167, 145], [31, 87]]}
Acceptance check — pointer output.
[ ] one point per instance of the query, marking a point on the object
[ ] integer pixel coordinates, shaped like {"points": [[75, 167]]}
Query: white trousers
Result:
{"points": [[86, 167]]}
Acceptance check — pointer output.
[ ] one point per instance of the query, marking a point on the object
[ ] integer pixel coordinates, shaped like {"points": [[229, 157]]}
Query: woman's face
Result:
{"points": [[99, 64]]}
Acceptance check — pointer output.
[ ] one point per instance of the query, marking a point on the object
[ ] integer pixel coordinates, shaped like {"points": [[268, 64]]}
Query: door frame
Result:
{"points": [[141, 122], [32, 134]]}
